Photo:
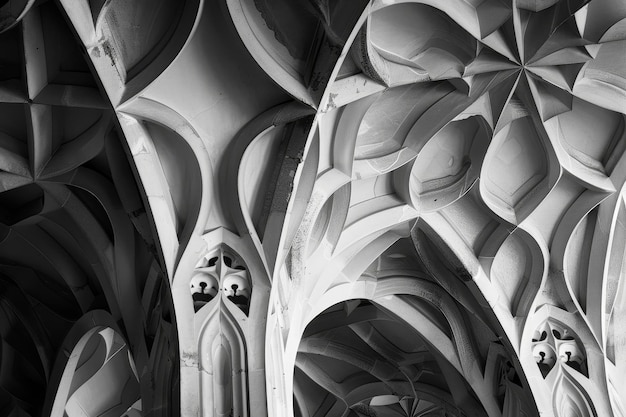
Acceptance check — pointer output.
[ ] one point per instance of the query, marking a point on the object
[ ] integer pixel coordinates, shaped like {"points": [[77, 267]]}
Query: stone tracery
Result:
{"points": [[459, 165], [510, 220], [553, 343], [221, 271]]}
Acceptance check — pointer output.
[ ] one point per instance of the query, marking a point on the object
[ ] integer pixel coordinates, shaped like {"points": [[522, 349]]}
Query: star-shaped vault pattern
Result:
{"points": [[359, 208], [495, 131]]}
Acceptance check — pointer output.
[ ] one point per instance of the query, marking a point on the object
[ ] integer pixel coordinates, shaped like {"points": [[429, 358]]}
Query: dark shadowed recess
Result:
{"points": [[76, 236]]}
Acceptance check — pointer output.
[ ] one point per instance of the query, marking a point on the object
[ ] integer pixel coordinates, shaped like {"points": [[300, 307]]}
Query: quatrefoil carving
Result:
{"points": [[221, 271], [554, 343]]}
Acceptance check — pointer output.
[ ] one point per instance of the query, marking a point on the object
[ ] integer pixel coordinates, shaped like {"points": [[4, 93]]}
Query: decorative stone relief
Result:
{"points": [[571, 365], [475, 122], [221, 271], [474, 117], [223, 363], [225, 320], [554, 343]]}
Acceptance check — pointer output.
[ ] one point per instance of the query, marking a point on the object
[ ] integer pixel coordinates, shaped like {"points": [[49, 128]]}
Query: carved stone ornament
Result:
{"points": [[221, 271], [552, 344]]}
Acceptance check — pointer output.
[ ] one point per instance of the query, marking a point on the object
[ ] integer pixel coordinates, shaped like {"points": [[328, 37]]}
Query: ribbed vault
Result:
{"points": [[375, 365], [390, 208], [407, 350], [490, 135], [76, 245]]}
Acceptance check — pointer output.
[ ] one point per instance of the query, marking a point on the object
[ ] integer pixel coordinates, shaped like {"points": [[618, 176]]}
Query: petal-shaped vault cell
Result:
{"points": [[577, 259], [378, 136], [449, 163], [512, 269], [422, 37], [255, 178], [615, 292], [296, 42], [388, 121], [182, 172], [330, 220], [14, 164], [138, 29], [603, 80], [515, 173], [77, 136], [615, 346], [292, 28], [260, 25], [591, 134]]}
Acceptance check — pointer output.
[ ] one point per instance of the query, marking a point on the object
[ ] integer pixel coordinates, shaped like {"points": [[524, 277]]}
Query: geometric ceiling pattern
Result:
{"points": [[313, 208], [78, 262], [490, 136]]}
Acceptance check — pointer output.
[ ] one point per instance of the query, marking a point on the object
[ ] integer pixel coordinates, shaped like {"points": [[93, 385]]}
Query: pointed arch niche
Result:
{"points": [[227, 293]]}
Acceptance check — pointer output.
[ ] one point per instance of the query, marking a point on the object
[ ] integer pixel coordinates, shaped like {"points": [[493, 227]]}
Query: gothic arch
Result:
{"points": [[459, 165]]}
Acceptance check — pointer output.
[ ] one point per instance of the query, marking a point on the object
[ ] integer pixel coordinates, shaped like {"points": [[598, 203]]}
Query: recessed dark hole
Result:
{"points": [[240, 301], [544, 369], [201, 297], [575, 365], [20, 203]]}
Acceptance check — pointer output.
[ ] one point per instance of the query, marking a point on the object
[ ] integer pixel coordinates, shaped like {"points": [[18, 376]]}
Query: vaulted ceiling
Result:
{"points": [[75, 234], [313, 207]]}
